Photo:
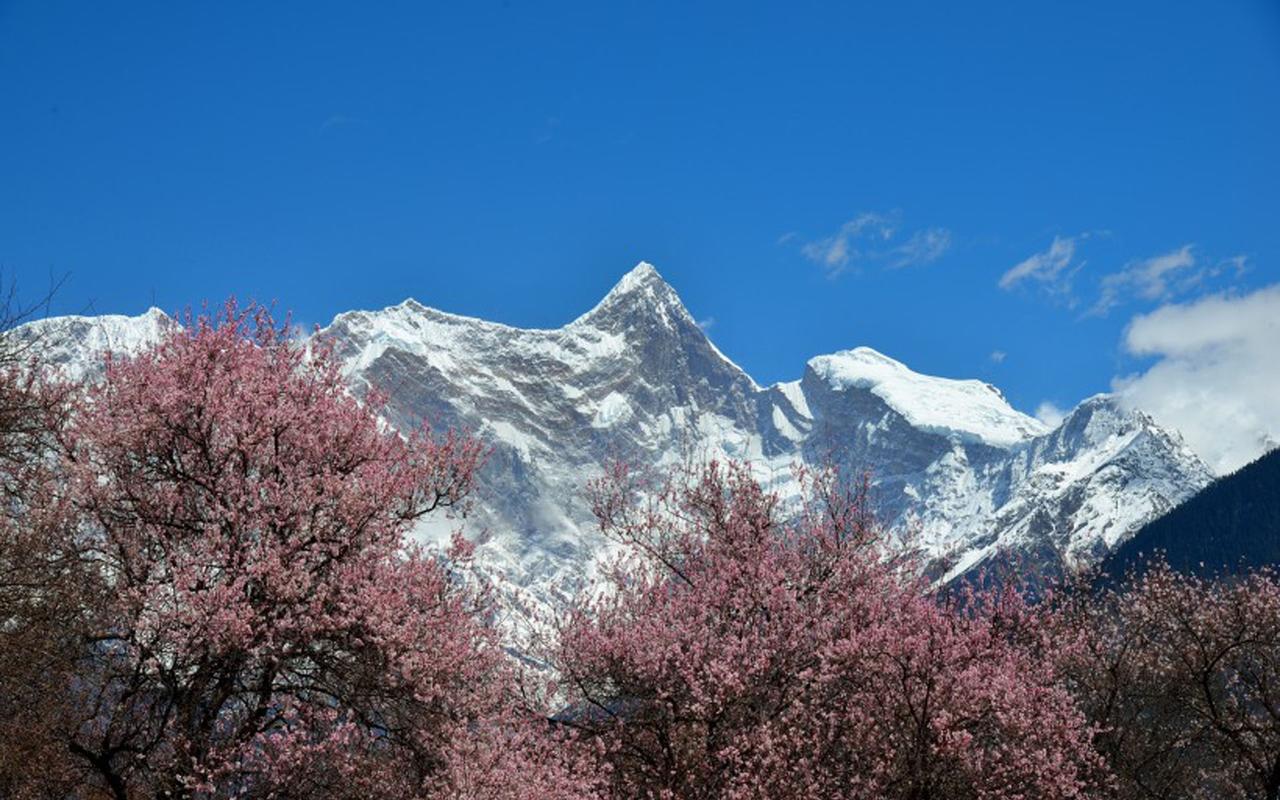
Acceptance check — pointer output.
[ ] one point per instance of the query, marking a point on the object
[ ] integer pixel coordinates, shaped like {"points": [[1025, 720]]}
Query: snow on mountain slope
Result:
{"points": [[76, 345], [966, 409], [1086, 487], [958, 474], [633, 378]]}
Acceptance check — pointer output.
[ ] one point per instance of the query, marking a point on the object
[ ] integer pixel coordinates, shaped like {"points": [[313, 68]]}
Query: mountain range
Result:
{"points": [[958, 474]]}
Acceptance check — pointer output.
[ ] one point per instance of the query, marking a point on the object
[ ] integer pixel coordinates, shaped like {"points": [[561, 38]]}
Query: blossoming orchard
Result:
{"points": [[208, 589]]}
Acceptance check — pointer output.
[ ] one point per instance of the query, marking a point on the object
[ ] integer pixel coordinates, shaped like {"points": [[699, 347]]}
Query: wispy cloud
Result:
{"points": [[836, 252], [1053, 270], [1050, 414], [998, 356], [924, 247], [547, 132], [706, 323], [1160, 278], [873, 238], [1216, 376]]}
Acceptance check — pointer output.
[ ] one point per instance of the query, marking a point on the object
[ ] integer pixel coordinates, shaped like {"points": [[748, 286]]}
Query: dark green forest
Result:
{"points": [[1230, 526]]}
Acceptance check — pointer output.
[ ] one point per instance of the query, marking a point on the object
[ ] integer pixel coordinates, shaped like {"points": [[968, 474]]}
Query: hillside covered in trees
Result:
{"points": [[1231, 525]]}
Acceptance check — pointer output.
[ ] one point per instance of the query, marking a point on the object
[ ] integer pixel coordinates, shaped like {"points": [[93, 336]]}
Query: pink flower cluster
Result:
{"points": [[741, 656], [268, 629]]}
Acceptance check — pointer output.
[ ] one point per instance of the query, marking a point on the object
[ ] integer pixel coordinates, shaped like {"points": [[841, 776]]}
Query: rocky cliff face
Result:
{"points": [[958, 473]]}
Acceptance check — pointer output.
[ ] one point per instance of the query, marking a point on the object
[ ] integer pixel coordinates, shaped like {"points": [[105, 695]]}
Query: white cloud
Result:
{"points": [[1217, 374], [1050, 414], [1152, 276], [706, 323], [1053, 268], [998, 356], [1161, 277], [924, 247], [836, 251], [870, 238]]}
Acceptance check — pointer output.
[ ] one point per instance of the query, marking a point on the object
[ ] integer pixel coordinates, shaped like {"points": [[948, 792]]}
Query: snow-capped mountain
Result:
{"points": [[958, 473], [75, 345]]}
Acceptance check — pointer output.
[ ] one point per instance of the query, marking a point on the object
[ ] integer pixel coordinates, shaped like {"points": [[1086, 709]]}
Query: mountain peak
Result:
{"points": [[640, 292], [642, 281], [642, 274], [965, 409]]}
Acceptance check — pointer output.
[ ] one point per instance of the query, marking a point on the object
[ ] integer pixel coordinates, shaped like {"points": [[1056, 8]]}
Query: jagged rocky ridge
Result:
{"points": [[958, 473]]}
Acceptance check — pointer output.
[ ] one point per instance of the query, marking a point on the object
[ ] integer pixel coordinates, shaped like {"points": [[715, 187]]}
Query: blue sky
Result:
{"points": [[993, 190]]}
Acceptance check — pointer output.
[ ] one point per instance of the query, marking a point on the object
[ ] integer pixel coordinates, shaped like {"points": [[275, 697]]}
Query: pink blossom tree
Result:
{"points": [[1182, 677], [269, 630], [45, 584], [749, 650]]}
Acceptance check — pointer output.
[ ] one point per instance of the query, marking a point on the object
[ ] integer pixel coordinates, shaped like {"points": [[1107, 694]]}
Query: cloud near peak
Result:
{"points": [[1050, 414], [1216, 377]]}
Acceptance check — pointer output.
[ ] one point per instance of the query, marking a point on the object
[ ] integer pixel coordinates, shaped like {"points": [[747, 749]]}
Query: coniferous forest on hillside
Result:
{"points": [[1232, 525]]}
